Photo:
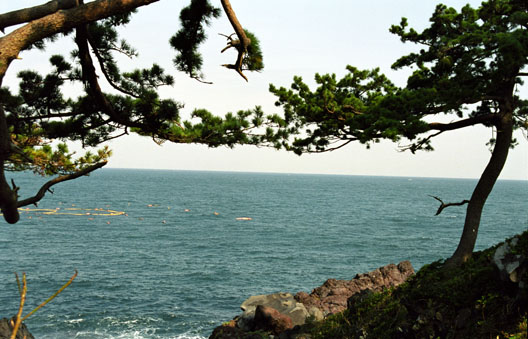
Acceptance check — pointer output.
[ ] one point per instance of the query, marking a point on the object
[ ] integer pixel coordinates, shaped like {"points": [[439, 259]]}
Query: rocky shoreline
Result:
{"points": [[280, 313]]}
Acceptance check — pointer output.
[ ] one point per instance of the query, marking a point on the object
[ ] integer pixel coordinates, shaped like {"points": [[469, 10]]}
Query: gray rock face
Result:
{"points": [[511, 266]]}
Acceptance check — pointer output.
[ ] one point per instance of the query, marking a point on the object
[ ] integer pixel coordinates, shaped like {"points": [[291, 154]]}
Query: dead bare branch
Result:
{"points": [[241, 44], [23, 292], [52, 297], [444, 205]]}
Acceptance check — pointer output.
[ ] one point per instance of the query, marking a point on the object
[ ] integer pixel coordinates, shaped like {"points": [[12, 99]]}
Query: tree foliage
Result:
{"points": [[472, 61], [191, 34]]}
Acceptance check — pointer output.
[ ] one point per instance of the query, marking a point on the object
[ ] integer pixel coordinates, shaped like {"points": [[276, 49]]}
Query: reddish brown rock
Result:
{"points": [[269, 319], [332, 296], [282, 302]]}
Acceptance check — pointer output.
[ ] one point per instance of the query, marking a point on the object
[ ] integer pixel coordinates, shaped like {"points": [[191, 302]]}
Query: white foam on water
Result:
{"points": [[75, 321]]}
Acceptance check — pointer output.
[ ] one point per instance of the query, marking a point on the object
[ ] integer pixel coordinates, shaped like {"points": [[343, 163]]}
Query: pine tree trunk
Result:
{"points": [[484, 187], [8, 197]]}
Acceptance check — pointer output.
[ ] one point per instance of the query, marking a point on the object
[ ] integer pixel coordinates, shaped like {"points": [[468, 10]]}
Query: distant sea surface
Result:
{"points": [[174, 260]]}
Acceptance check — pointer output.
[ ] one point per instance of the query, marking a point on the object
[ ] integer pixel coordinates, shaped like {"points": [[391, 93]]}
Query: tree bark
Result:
{"points": [[244, 41], [485, 185], [32, 13], [60, 21], [8, 195]]}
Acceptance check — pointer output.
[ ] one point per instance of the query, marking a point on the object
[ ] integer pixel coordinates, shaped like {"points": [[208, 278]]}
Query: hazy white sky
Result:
{"points": [[298, 37]]}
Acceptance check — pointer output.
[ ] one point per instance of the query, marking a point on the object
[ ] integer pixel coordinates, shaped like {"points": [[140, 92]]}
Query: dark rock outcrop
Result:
{"points": [[6, 329], [270, 320], [332, 296], [231, 331]]}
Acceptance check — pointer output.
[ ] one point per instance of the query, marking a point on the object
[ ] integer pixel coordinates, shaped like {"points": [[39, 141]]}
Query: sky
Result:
{"points": [[298, 37]]}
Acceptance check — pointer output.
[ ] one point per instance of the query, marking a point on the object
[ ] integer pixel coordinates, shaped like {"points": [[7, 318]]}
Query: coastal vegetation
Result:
{"points": [[469, 301]]}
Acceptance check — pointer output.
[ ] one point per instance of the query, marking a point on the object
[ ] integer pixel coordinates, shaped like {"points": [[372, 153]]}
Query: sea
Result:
{"points": [[173, 254]]}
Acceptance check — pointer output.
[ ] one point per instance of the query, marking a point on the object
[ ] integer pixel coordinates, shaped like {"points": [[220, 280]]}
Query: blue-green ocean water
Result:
{"points": [[173, 268]]}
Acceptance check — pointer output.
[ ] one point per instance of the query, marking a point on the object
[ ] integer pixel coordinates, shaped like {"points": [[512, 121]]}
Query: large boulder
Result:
{"points": [[270, 320], [284, 303], [332, 296], [6, 329]]}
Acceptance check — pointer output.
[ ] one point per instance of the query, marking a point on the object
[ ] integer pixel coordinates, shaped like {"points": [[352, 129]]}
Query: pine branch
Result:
{"points": [[33, 13], [90, 77], [479, 119], [104, 70], [241, 44], [419, 144], [47, 116]]}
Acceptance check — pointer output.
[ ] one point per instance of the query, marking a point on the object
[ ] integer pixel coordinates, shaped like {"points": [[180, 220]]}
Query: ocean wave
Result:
{"points": [[137, 334]]}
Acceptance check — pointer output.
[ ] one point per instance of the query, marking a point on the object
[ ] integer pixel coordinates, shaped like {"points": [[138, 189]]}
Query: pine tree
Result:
{"points": [[471, 66]]}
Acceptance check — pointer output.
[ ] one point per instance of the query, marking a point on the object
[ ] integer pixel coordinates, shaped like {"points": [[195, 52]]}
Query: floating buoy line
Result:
{"points": [[92, 212], [73, 211]]}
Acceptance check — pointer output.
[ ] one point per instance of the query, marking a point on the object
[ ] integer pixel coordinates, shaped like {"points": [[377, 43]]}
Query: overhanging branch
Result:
{"points": [[45, 188], [60, 21], [33, 13]]}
